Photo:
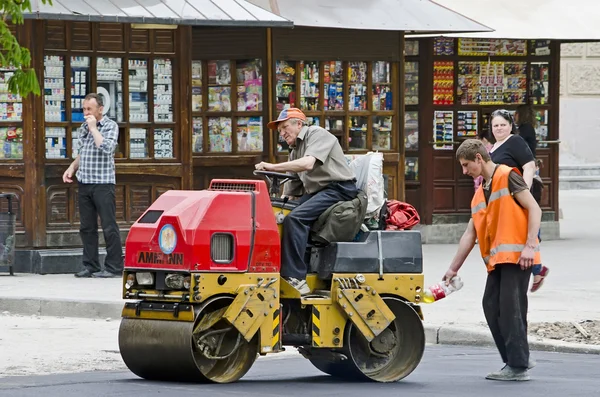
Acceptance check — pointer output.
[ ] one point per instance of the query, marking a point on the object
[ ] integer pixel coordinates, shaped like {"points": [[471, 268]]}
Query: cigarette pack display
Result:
{"points": [[411, 130], [443, 129], [309, 85], [250, 134], [80, 83], [138, 143], [138, 90], [56, 143], [163, 91], [466, 121], [11, 143], [219, 134], [11, 107], [163, 143], [54, 88]]}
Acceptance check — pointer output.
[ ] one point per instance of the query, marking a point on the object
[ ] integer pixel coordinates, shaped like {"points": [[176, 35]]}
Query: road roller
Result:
{"points": [[204, 297]]}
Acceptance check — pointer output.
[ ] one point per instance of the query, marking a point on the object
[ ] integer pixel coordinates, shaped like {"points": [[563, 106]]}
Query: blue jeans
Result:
{"points": [[297, 224]]}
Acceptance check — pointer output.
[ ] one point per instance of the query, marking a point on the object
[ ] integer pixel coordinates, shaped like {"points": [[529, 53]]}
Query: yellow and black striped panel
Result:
{"points": [[316, 327], [276, 335]]}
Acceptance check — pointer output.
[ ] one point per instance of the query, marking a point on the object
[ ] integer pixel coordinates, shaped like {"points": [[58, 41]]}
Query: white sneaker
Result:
{"points": [[299, 285]]}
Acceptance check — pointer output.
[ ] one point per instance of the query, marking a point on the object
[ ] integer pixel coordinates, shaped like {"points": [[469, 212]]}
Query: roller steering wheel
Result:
{"points": [[276, 179]]}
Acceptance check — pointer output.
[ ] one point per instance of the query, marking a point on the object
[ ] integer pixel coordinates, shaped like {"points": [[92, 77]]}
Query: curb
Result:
{"points": [[434, 334]]}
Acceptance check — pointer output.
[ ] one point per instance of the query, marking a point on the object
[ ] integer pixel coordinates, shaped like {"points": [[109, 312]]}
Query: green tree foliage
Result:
{"points": [[12, 55]]}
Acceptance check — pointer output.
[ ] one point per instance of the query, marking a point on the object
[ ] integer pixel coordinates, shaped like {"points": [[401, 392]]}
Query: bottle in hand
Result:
{"points": [[441, 290]]}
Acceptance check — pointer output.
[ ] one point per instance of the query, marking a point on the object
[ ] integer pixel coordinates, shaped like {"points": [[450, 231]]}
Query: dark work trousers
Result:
{"points": [[505, 309], [94, 200], [297, 224]]}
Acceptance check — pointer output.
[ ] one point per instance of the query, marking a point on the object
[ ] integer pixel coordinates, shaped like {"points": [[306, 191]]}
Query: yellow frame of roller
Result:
{"points": [[257, 303]]}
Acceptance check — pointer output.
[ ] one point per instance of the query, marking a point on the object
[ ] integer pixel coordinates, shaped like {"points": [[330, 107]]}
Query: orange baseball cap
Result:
{"points": [[286, 114]]}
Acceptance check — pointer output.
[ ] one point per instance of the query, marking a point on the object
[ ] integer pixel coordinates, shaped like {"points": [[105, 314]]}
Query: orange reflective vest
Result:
{"points": [[501, 223]]}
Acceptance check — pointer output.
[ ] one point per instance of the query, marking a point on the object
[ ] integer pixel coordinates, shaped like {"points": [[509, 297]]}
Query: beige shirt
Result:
{"points": [[331, 165]]}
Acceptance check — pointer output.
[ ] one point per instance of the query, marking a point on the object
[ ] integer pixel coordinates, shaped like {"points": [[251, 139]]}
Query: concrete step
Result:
{"points": [[579, 170], [579, 182]]}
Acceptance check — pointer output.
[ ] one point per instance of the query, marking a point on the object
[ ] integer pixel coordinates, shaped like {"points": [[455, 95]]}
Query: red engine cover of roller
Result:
{"points": [[176, 231]]}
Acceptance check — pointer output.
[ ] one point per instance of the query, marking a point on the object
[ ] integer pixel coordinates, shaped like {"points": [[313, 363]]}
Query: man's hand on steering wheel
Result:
{"points": [[264, 166]]}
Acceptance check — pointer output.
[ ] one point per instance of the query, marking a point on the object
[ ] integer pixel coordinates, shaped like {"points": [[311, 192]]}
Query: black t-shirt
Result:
{"points": [[527, 132], [514, 152], [516, 184]]}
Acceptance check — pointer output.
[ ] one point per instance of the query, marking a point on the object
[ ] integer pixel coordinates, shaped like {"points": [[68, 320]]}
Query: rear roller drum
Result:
{"points": [[391, 356], [168, 350]]}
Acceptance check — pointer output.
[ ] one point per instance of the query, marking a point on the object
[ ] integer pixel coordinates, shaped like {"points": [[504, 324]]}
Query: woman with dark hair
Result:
{"points": [[514, 151]]}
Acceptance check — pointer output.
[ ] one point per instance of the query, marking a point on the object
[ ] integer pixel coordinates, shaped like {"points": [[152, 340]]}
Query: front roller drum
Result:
{"points": [[391, 356], [168, 350]]}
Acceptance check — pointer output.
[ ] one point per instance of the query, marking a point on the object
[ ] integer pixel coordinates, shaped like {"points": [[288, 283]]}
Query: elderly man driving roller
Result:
{"points": [[317, 158]]}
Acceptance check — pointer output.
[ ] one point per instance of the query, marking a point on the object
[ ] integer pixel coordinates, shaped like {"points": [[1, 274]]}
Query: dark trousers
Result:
{"points": [[94, 200], [505, 309], [297, 224]]}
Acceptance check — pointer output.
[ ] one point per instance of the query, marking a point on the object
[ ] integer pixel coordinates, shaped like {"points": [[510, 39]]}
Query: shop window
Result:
{"points": [[234, 103], [411, 83], [197, 135], [333, 78], [219, 134], [309, 85], [382, 133], [358, 104], [163, 92], [11, 111], [54, 88], [357, 77], [382, 86], [109, 77], [56, 143], [285, 86], [358, 133], [138, 90], [443, 131], [492, 83], [467, 121], [541, 129], [443, 46], [196, 86], [491, 47], [540, 81], [411, 130], [411, 48], [540, 47], [443, 83], [411, 169], [138, 143], [80, 86]]}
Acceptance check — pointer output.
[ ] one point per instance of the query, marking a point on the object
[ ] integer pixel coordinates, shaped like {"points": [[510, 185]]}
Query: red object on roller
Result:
{"points": [[401, 216]]}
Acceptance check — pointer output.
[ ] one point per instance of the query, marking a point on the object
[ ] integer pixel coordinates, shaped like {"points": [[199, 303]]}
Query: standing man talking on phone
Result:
{"points": [[95, 170]]}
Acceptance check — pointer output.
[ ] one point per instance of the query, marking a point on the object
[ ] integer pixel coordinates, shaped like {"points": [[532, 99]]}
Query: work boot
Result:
{"points": [[106, 274], [509, 373], [299, 285], [84, 274]]}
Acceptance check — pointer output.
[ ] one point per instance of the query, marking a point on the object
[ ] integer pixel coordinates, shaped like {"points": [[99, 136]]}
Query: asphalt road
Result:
{"points": [[444, 371]]}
